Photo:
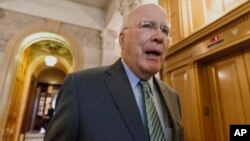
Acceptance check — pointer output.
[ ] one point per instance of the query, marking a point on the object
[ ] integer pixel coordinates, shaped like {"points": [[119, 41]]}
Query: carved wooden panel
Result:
{"points": [[198, 15], [182, 81], [175, 22], [230, 4], [247, 62], [229, 93], [214, 9]]}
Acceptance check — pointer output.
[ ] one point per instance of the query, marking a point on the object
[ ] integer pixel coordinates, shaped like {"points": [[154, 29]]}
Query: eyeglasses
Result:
{"points": [[150, 26]]}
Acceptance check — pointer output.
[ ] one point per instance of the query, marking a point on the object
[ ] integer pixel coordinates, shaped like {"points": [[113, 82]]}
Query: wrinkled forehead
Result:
{"points": [[148, 12]]}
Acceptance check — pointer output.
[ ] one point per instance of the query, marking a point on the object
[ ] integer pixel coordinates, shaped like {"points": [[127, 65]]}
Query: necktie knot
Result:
{"points": [[145, 87]]}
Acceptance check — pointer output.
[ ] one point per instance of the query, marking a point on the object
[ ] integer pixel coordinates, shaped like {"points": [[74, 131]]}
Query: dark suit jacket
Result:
{"points": [[99, 105]]}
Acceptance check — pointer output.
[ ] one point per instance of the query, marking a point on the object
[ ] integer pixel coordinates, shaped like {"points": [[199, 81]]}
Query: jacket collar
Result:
{"points": [[122, 94]]}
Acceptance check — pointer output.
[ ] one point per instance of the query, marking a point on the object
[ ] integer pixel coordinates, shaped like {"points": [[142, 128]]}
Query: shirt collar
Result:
{"points": [[133, 79]]}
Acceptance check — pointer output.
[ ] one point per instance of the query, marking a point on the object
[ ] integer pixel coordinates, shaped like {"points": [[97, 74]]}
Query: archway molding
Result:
{"points": [[15, 48]]}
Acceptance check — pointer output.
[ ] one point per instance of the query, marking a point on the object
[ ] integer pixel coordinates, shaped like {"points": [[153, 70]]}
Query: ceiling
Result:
{"points": [[50, 47], [100, 4]]}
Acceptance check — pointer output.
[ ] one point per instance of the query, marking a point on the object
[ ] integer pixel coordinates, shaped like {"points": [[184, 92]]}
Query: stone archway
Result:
{"points": [[14, 50]]}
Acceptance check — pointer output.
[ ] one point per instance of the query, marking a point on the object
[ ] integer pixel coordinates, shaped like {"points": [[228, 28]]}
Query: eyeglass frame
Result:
{"points": [[151, 25]]}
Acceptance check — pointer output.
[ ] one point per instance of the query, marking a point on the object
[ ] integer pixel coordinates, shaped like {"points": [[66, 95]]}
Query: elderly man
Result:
{"points": [[124, 101]]}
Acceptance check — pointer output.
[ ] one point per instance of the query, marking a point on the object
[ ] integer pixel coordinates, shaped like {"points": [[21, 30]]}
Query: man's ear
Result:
{"points": [[121, 39]]}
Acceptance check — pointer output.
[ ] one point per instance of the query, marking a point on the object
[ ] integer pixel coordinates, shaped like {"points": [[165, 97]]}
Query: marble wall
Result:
{"points": [[90, 40], [11, 23]]}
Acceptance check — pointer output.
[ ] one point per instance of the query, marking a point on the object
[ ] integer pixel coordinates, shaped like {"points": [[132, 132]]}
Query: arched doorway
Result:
{"points": [[40, 103], [28, 54], [31, 61]]}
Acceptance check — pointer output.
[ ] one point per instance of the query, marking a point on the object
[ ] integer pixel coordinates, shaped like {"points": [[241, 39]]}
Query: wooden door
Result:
{"points": [[229, 91], [247, 63], [182, 80]]}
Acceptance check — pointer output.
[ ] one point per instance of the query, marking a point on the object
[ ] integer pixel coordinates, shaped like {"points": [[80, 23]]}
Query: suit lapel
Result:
{"points": [[123, 97], [171, 108]]}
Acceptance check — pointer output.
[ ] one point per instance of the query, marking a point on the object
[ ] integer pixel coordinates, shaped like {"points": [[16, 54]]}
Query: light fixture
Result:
{"points": [[50, 60]]}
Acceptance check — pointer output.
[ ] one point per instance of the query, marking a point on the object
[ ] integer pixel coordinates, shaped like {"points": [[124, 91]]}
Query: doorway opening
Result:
{"points": [[41, 100], [36, 84]]}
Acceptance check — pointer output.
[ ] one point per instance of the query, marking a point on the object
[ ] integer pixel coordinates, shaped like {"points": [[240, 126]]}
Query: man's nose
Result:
{"points": [[158, 36]]}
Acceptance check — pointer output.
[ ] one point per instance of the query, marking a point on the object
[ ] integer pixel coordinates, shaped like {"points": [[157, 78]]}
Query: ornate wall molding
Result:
{"points": [[109, 45], [53, 25], [128, 5], [108, 39]]}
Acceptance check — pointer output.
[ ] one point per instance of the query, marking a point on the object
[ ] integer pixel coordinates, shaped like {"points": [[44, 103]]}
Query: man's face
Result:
{"points": [[144, 47]]}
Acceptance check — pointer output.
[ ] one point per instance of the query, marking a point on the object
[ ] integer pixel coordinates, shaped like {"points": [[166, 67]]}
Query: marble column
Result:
{"points": [[1, 58], [128, 5], [109, 47]]}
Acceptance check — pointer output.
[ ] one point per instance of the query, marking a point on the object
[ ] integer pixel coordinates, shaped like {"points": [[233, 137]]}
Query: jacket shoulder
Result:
{"points": [[166, 87], [92, 72]]}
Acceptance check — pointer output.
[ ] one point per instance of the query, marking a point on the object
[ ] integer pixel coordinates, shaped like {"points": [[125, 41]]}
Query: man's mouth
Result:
{"points": [[153, 52]]}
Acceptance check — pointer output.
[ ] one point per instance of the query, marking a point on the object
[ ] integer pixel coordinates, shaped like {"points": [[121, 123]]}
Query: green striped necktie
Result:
{"points": [[153, 122]]}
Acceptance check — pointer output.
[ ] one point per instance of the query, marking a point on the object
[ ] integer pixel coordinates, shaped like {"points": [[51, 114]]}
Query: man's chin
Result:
{"points": [[153, 71], [150, 69], [154, 68]]}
